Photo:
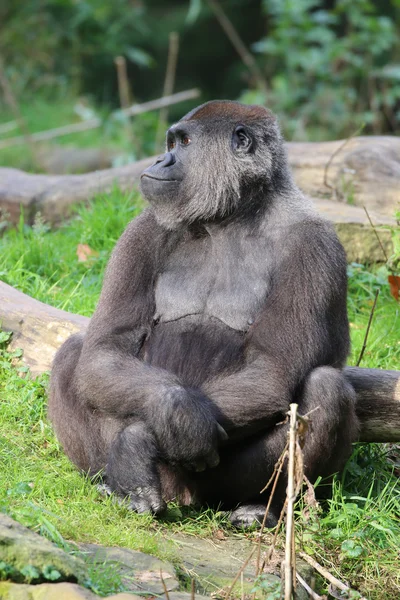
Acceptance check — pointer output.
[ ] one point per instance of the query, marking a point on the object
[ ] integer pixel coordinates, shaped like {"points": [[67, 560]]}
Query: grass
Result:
{"points": [[129, 139], [357, 535]]}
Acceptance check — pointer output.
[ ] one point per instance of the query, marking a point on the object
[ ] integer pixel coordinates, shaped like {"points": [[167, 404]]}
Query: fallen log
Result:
{"points": [[364, 172], [40, 330]]}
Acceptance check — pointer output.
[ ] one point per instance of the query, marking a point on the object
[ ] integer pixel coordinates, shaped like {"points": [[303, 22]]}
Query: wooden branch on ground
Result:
{"points": [[40, 330], [366, 172]]}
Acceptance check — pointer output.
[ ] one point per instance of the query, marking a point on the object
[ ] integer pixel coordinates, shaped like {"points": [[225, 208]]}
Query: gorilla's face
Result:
{"points": [[213, 155], [161, 183]]}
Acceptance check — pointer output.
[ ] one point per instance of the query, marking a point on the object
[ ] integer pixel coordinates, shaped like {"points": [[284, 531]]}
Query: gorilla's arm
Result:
{"points": [[302, 325], [110, 376]]}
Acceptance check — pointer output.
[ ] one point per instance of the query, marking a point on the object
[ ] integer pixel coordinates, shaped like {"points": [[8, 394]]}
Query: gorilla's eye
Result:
{"points": [[171, 144], [185, 140]]}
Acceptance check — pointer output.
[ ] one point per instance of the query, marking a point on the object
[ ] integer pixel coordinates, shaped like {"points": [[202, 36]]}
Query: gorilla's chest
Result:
{"points": [[225, 278]]}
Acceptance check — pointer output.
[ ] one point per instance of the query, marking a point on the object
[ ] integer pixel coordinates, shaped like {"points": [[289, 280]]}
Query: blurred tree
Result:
{"points": [[330, 65]]}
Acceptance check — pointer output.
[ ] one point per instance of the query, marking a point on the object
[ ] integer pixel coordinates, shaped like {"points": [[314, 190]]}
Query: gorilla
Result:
{"points": [[222, 303]]}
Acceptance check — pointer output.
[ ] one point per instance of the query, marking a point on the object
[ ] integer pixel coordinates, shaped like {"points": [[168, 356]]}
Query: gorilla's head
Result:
{"points": [[222, 158]]}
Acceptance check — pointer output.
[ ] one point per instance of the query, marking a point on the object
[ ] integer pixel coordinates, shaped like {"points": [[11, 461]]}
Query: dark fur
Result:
{"points": [[222, 303]]}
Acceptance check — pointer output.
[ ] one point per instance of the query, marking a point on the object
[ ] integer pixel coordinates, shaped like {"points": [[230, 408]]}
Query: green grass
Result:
{"points": [[357, 536], [130, 139]]}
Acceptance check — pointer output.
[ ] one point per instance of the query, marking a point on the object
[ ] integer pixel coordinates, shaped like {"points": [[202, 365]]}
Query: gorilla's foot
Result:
{"points": [[146, 499], [141, 500], [252, 514]]}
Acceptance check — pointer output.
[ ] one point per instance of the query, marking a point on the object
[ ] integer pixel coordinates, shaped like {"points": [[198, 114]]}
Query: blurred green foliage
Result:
{"points": [[331, 68], [329, 65]]}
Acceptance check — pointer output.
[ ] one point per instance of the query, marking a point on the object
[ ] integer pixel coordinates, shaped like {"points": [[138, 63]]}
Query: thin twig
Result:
{"points": [[136, 109], [313, 595], [291, 497], [328, 164], [272, 546], [376, 233], [164, 586], [282, 457], [325, 573], [395, 280], [169, 83], [242, 568], [237, 42], [371, 314], [277, 471]]}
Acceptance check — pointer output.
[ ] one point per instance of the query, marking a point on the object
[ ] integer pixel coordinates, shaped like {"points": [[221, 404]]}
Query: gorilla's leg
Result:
{"points": [[123, 451], [245, 469], [132, 469]]}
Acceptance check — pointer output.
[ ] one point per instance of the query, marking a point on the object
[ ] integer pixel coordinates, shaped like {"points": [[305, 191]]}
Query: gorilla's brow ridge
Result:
{"points": [[228, 110]]}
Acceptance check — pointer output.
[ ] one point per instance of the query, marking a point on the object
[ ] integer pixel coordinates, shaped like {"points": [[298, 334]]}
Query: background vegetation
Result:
{"points": [[328, 66]]}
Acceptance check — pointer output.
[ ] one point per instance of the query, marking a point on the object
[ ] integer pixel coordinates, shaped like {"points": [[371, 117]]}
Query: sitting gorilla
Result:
{"points": [[222, 303]]}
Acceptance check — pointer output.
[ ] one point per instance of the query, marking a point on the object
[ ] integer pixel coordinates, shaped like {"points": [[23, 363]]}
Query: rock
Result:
{"points": [[355, 232], [214, 563], [365, 171], [26, 556], [53, 591], [139, 572], [183, 596]]}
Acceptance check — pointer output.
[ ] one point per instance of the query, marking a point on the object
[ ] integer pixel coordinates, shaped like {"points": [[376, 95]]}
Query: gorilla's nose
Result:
{"points": [[166, 160]]}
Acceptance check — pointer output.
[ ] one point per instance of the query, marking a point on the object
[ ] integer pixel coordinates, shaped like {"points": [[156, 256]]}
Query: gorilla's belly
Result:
{"points": [[195, 347]]}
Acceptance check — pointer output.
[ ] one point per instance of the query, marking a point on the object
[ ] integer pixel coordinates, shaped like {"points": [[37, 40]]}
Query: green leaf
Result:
{"points": [[51, 573], [193, 12], [139, 57], [351, 549]]}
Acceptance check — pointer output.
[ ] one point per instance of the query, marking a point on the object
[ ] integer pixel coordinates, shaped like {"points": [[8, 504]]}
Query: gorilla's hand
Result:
{"points": [[187, 432]]}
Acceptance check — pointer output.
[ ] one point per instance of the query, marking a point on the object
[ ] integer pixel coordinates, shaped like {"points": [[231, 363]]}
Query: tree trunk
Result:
{"points": [[40, 330]]}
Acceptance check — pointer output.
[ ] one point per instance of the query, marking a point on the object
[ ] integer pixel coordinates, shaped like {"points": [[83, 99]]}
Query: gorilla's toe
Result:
{"points": [[252, 514]]}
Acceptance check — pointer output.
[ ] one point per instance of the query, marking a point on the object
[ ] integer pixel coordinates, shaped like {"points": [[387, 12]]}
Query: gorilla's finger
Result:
{"points": [[223, 436]]}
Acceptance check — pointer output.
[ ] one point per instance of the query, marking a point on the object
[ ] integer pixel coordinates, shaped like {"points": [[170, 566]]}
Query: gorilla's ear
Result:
{"points": [[241, 140]]}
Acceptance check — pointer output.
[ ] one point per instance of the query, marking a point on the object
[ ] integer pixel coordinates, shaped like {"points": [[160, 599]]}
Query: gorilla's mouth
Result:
{"points": [[156, 178]]}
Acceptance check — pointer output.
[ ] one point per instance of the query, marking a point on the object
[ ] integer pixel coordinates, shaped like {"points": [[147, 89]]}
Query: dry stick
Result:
{"points": [[275, 475], [230, 31], [328, 164], [238, 574], [136, 109], [192, 590], [368, 328], [291, 497], [123, 83], [124, 99], [325, 573], [313, 595], [169, 83], [272, 546], [164, 586]]}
